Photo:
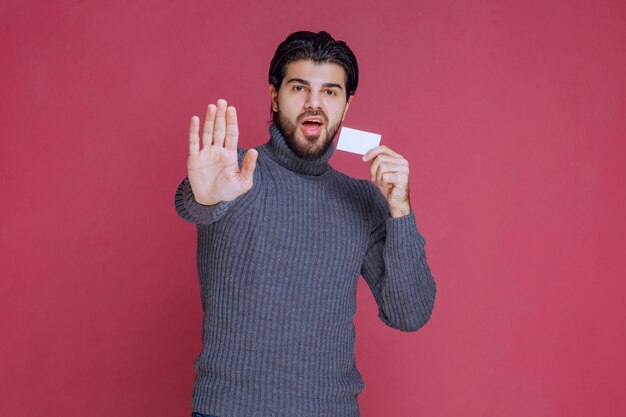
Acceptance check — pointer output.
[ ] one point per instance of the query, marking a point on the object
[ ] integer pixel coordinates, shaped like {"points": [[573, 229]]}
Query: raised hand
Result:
{"points": [[390, 172], [213, 171]]}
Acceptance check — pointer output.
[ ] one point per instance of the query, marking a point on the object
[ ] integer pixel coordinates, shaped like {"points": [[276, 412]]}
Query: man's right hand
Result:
{"points": [[213, 171]]}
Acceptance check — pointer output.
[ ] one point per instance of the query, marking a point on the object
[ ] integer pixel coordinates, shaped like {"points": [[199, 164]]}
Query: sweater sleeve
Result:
{"points": [[192, 211], [396, 270]]}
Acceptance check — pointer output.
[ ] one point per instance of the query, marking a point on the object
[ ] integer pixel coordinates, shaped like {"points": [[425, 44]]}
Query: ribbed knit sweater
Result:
{"points": [[278, 269]]}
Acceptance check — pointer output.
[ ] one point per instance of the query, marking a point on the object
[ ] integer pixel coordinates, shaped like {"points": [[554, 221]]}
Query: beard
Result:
{"points": [[310, 149]]}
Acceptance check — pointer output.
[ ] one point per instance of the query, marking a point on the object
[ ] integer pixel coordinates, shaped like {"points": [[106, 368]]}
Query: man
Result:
{"points": [[283, 239]]}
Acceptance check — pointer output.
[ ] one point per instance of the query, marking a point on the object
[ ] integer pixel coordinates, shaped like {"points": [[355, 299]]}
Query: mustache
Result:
{"points": [[312, 113]]}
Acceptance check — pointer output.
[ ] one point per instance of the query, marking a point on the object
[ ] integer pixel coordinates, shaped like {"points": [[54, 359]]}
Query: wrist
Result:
{"points": [[206, 202], [400, 211]]}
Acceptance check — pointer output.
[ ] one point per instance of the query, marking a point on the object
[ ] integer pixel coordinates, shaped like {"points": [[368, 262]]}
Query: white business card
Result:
{"points": [[357, 141]]}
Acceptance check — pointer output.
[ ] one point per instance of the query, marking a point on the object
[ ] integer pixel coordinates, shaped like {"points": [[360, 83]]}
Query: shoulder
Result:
{"points": [[351, 184], [365, 192], [366, 187]]}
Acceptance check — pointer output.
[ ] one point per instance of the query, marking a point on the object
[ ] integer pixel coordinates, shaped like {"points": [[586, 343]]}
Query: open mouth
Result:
{"points": [[311, 126]]}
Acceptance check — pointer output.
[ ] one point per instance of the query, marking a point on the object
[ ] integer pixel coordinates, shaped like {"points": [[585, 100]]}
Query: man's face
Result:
{"points": [[311, 104]]}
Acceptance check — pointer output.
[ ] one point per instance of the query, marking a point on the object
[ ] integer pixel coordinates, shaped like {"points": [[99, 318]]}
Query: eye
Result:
{"points": [[331, 93], [298, 88]]}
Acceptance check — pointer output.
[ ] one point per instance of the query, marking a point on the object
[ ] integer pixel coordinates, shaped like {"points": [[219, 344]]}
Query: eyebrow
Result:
{"points": [[305, 82]]}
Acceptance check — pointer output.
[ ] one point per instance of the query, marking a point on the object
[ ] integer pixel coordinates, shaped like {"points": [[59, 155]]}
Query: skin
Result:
{"points": [[213, 171], [390, 172], [310, 89], [307, 89]]}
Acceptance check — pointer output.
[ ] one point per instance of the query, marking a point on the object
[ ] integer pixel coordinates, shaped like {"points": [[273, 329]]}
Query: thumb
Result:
{"points": [[248, 164]]}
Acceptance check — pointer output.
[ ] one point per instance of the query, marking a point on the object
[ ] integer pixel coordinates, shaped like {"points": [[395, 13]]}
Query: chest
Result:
{"points": [[299, 227]]}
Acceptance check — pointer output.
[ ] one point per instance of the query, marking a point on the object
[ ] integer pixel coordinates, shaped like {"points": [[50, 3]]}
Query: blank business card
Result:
{"points": [[357, 141]]}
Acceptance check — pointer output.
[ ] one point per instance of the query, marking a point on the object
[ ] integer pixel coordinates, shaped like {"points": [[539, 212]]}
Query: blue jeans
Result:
{"points": [[200, 415]]}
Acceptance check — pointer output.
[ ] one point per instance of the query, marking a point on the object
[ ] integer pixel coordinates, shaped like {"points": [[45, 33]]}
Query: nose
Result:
{"points": [[313, 100]]}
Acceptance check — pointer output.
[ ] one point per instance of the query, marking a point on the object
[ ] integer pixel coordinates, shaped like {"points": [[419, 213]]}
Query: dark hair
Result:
{"points": [[320, 48]]}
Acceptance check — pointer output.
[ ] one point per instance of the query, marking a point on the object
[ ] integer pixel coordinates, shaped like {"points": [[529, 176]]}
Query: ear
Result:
{"points": [[347, 105], [274, 98]]}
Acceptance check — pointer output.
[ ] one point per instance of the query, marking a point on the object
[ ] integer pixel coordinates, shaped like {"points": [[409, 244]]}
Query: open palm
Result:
{"points": [[213, 171]]}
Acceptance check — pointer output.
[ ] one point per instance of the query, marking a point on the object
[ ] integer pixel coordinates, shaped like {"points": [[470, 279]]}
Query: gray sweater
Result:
{"points": [[278, 269]]}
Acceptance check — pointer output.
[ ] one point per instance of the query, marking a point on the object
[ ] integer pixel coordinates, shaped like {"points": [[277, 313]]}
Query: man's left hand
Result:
{"points": [[390, 173]]}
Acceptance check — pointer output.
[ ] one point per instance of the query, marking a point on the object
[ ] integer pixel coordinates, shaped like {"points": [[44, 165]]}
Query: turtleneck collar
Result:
{"points": [[278, 150]]}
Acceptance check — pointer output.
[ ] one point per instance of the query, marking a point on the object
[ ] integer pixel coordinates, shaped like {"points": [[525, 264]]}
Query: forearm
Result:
{"points": [[398, 274], [408, 288]]}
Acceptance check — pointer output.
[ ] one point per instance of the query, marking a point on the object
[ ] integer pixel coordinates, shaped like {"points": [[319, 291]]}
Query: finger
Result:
{"points": [[207, 130], [389, 178], [194, 139], [381, 150], [248, 164], [219, 129], [232, 129], [387, 167], [372, 153], [390, 160], [384, 189], [399, 177]]}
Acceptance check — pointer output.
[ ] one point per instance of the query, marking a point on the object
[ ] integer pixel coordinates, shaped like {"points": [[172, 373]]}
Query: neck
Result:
{"points": [[279, 151]]}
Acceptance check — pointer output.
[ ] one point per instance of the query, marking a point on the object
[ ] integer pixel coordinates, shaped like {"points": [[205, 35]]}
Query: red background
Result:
{"points": [[510, 113]]}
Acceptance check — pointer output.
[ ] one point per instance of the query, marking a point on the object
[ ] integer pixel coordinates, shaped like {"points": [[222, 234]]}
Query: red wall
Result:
{"points": [[510, 113]]}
